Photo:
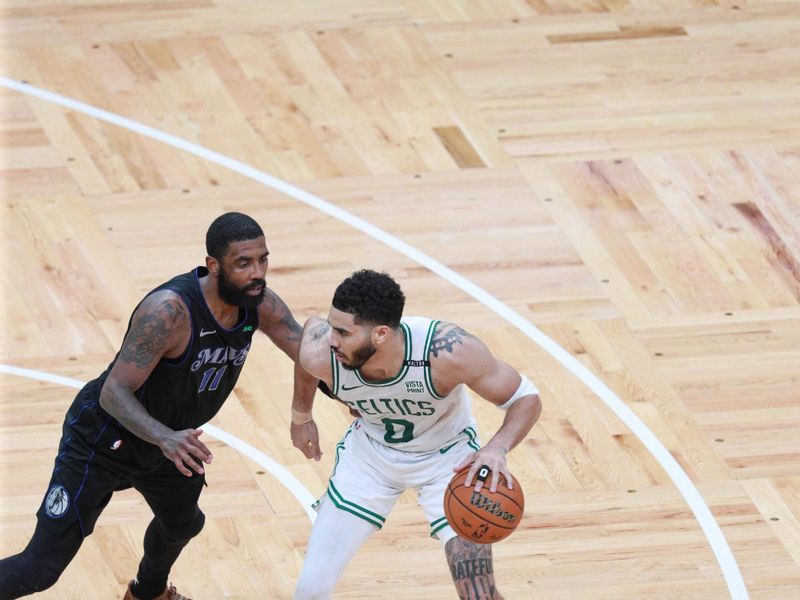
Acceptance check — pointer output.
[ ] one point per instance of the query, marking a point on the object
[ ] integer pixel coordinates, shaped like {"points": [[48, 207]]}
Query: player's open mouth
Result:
{"points": [[256, 291]]}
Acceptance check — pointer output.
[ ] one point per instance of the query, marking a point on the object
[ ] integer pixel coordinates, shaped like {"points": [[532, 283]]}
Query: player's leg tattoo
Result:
{"points": [[472, 569]]}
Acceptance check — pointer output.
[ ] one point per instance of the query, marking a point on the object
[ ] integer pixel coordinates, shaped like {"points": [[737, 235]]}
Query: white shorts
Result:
{"points": [[368, 477]]}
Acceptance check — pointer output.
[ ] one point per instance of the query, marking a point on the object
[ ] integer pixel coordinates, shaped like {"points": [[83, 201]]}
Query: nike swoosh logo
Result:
{"points": [[345, 388], [202, 333], [443, 450]]}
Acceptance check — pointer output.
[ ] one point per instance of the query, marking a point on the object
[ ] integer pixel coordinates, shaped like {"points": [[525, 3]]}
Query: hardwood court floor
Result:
{"points": [[625, 174]]}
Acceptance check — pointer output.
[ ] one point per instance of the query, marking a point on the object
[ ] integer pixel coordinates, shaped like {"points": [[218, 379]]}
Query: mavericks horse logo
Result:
{"points": [[57, 501]]}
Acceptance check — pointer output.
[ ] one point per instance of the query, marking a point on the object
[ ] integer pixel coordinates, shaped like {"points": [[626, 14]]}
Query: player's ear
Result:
{"points": [[380, 334], [212, 264]]}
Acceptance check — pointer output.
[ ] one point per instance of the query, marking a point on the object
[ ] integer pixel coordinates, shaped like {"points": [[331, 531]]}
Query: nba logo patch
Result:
{"points": [[57, 501], [116, 445]]}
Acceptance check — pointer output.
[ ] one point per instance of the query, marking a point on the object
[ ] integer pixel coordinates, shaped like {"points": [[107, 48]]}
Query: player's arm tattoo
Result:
{"points": [[472, 569], [446, 337], [294, 331], [150, 333], [289, 329]]}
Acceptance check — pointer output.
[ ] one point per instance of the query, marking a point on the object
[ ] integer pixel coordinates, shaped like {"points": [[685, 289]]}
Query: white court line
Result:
{"points": [[717, 541], [279, 472]]}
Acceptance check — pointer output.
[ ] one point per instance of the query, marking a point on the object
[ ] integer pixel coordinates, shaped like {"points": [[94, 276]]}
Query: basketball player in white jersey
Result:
{"points": [[404, 378]]}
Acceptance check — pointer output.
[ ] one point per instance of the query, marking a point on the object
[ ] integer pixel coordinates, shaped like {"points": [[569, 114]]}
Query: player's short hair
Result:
{"points": [[227, 228], [372, 297]]}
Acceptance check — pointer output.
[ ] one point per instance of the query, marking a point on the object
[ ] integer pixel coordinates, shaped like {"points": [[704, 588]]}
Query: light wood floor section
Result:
{"points": [[623, 173]]}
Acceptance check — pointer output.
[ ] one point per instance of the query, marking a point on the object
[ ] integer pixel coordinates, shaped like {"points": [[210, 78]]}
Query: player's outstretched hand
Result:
{"points": [[494, 459], [185, 449], [305, 438]]}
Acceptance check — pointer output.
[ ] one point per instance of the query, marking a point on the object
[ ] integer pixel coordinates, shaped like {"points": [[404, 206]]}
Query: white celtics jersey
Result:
{"points": [[406, 412]]}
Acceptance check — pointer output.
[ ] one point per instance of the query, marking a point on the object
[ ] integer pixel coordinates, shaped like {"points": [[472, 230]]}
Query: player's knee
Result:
{"points": [[185, 530]]}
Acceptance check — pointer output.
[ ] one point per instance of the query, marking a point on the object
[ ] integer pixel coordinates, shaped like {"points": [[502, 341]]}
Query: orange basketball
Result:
{"points": [[483, 517]]}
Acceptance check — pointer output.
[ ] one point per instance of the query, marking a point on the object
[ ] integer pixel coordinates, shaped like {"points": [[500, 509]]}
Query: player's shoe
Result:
{"points": [[169, 594]]}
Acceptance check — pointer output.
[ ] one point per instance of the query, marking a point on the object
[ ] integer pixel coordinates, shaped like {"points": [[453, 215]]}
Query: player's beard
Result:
{"points": [[360, 356], [238, 296]]}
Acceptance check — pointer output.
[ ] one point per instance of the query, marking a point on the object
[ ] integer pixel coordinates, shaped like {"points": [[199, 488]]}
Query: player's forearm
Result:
{"points": [[519, 419], [305, 385], [121, 404]]}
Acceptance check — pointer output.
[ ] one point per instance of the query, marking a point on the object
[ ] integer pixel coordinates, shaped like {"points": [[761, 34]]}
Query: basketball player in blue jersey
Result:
{"points": [[136, 425], [405, 379]]}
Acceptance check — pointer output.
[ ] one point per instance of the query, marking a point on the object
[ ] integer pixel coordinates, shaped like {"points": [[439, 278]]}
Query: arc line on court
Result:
{"points": [[711, 529], [279, 472]]}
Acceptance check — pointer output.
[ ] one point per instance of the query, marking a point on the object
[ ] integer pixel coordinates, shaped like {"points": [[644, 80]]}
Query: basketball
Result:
{"points": [[483, 517]]}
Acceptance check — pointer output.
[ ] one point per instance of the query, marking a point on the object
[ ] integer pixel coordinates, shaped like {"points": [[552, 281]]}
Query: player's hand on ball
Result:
{"points": [[482, 517], [494, 459]]}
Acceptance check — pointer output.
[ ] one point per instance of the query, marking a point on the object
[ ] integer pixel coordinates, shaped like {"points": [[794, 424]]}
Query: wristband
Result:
{"points": [[301, 418]]}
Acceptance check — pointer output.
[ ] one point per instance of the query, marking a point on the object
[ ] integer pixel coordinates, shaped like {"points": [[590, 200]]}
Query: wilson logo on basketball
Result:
{"points": [[493, 507]]}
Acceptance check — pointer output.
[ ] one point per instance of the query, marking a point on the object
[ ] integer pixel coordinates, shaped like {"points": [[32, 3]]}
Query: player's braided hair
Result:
{"points": [[372, 297], [227, 228]]}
